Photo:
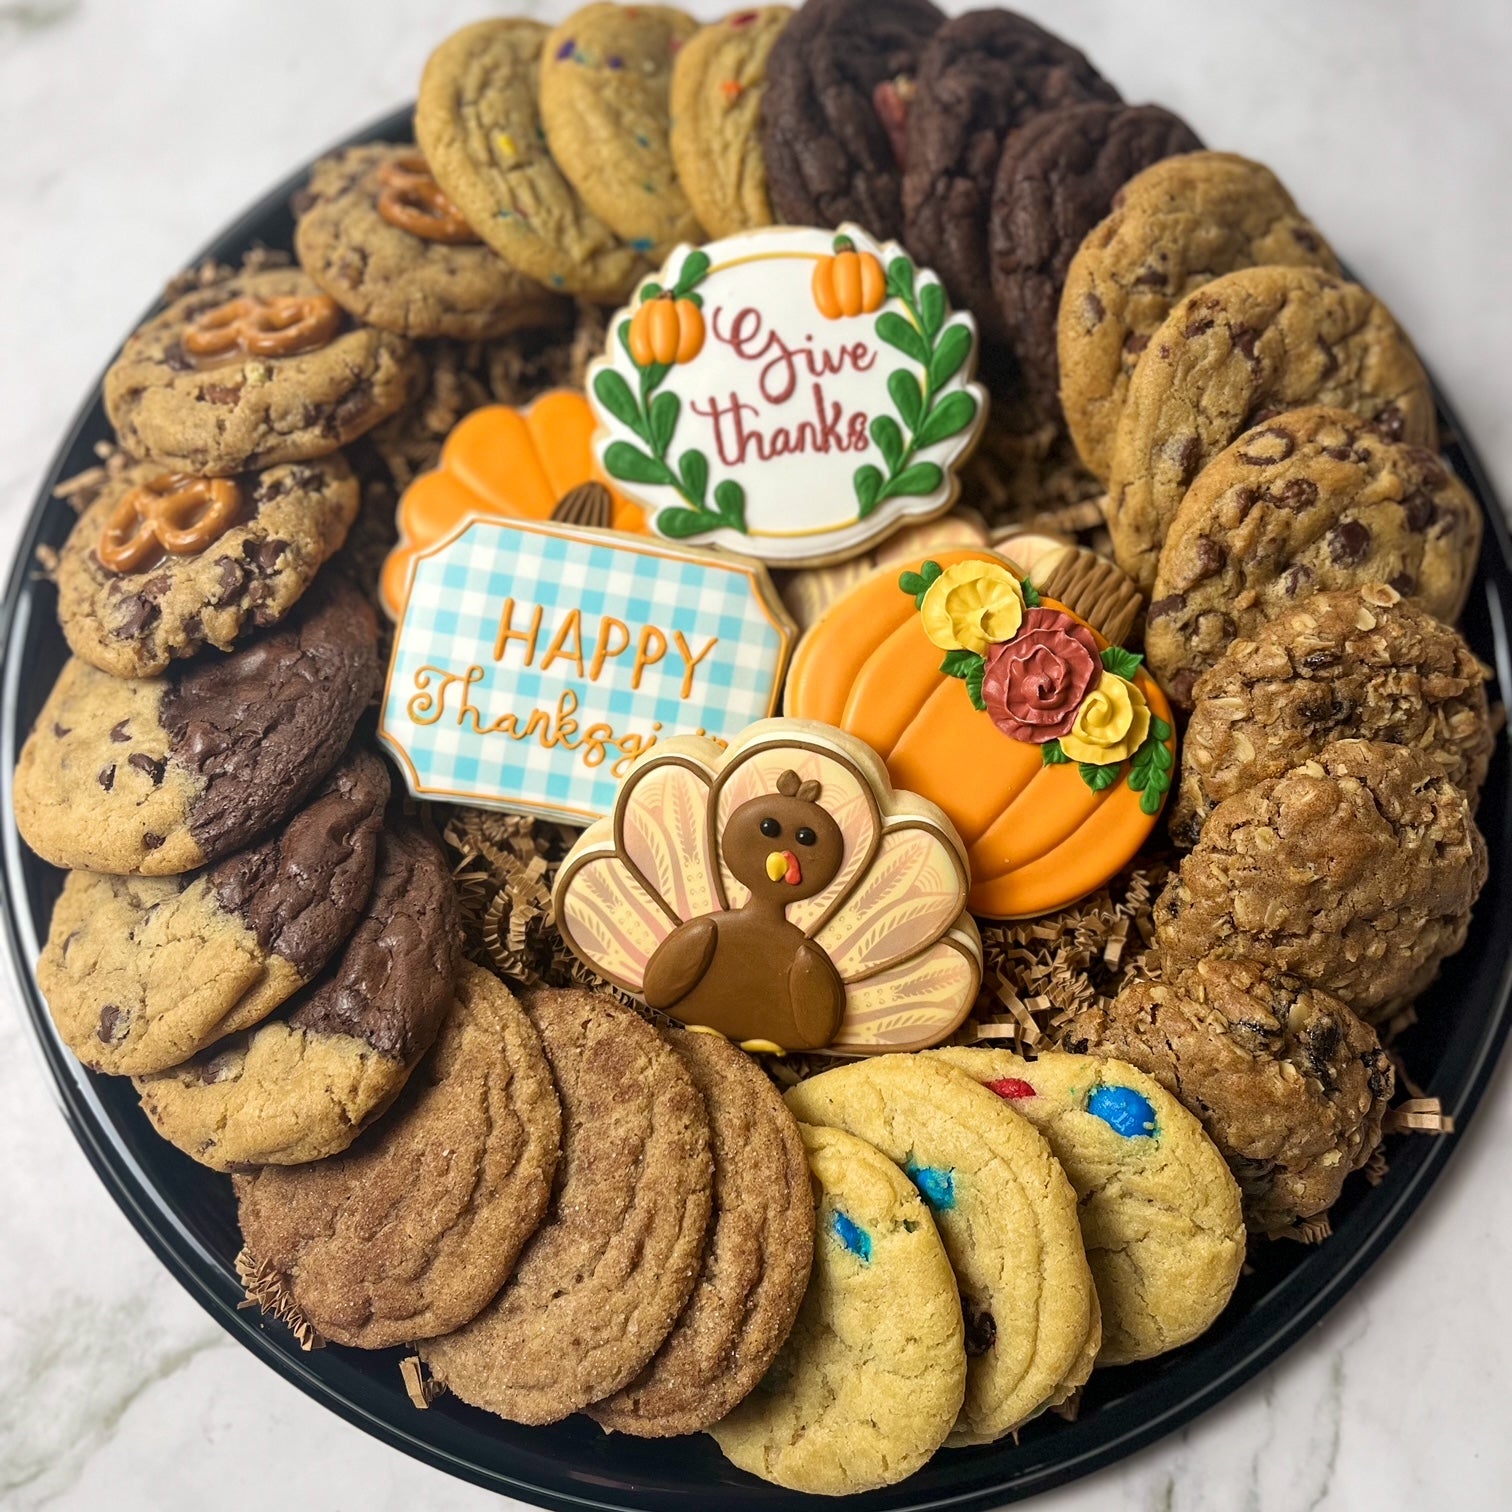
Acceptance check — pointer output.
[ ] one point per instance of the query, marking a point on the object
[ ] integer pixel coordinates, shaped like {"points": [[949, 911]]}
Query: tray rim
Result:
{"points": [[1173, 1400]]}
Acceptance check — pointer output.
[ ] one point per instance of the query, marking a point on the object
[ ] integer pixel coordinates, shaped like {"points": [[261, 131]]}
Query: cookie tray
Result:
{"points": [[186, 1213]]}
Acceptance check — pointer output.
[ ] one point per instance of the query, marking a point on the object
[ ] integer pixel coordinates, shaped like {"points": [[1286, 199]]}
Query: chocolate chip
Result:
{"points": [[111, 1020], [1211, 558], [1330, 359], [1305, 238], [350, 411], [1349, 543], [268, 553], [1151, 278], [1190, 458], [1198, 327], [981, 1333], [151, 841], [60, 730], [121, 733], [1404, 583], [1390, 422], [232, 575], [106, 777], [1296, 493], [1418, 509], [221, 393], [1317, 661], [1272, 445], [152, 768], [1093, 307], [1135, 342], [177, 360], [139, 612], [1245, 338], [1164, 606]]}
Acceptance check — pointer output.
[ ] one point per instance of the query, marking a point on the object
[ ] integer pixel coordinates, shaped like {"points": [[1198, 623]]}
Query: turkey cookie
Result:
{"points": [[163, 563], [258, 369], [303, 1086], [140, 973], [1362, 663], [981, 77], [599, 1287], [1006, 1214], [839, 82], [378, 235], [1180, 223], [160, 775], [756, 1260], [1355, 870], [606, 81], [412, 1231], [871, 1377], [1311, 500], [1288, 1083], [1056, 178], [1241, 349], [779, 892], [956, 666], [478, 121], [718, 83], [1158, 1209]]}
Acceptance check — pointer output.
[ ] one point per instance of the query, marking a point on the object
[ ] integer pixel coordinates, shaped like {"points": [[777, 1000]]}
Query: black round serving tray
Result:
{"points": [[187, 1215]]}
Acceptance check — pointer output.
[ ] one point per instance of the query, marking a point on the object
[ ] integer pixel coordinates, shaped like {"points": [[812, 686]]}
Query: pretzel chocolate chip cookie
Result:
{"points": [[257, 369], [1233, 354]]}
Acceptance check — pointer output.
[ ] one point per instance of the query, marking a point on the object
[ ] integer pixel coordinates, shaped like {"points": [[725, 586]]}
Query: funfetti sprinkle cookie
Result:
{"points": [[781, 893], [791, 394], [1158, 1209], [1050, 751]]}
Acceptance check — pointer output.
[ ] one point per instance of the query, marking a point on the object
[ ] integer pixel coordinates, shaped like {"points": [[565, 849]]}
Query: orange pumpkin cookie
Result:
{"points": [[534, 463], [1049, 751]]}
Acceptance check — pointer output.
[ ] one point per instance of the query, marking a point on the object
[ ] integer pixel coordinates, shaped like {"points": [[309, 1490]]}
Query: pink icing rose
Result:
{"points": [[1035, 682]]}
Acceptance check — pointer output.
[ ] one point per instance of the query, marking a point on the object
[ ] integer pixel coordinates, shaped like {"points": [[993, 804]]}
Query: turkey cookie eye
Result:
{"points": [[771, 829], [806, 836]]}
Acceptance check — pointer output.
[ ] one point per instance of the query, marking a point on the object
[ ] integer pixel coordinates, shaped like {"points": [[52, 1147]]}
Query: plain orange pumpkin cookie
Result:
{"points": [[1050, 751]]}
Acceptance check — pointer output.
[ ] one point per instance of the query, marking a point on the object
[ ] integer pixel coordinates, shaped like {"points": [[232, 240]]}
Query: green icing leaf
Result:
{"points": [[649, 292], [919, 583], [1121, 662], [908, 399], [631, 465], [921, 478], [1150, 771], [974, 683], [729, 501], [1159, 728], [950, 353], [663, 416], [682, 523], [1052, 755], [868, 485], [961, 663], [897, 332], [932, 309], [1032, 598], [614, 394], [1098, 778], [900, 279], [694, 267], [1150, 801], [889, 439], [694, 467], [948, 418]]}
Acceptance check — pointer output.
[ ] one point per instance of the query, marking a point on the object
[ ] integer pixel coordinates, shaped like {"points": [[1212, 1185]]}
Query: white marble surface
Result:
{"points": [[131, 132]]}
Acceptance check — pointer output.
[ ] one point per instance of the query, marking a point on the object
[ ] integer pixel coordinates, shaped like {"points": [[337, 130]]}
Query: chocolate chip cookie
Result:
{"points": [[140, 973], [839, 82], [1312, 500], [981, 76], [1361, 663], [478, 121], [159, 775], [304, 1085], [377, 233], [756, 1262], [1056, 179], [412, 1230], [1176, 226], [599, 1287], [606, 86], [1230, 356], [239, 552], [1355, 871], [718, 83], [261, 368], [1289, 1084]]}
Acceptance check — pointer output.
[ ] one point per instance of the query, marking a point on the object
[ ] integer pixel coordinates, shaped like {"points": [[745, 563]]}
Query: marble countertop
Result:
{"points": [[133, 132]]}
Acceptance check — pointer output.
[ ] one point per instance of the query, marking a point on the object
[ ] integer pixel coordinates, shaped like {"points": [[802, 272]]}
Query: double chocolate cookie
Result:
{"points": [[1056, 178], [304, 1085], [161, 564], [839, 82], [411, 1231], [377, 233], [981, 76], [140, 973], [257, 369]]}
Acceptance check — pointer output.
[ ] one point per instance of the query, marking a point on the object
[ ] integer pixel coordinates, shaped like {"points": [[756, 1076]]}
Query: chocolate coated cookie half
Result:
{"points": [[162, 564], [600, 1285], [1056, 178], [1289, 1084], [756, 1262], [140, 973], [260, 368], [161, 775], [410, 1232], [839, 82], [981, 76], [304, 1085]]}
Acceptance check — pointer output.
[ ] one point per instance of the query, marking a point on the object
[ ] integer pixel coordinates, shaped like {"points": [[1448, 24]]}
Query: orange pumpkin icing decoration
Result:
{"points": [[849, 283], [1037, 836], [666, 330], [521, 464]]}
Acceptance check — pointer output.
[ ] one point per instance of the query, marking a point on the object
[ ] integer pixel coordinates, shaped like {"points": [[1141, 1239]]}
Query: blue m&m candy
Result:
{"points": [[1124, 1111]]}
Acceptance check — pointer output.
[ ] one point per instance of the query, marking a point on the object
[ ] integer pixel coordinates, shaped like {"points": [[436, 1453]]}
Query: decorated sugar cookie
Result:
{"points": [[790, 393], [1050, 751], [781, 893]]}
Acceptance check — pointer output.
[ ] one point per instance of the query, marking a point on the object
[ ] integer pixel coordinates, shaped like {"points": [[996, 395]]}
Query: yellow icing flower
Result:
{"points": [[971, 606], [1110, 725]]}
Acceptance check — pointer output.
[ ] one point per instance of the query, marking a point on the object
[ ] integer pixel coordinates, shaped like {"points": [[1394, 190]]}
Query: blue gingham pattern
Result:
{"points": [[452, 619]]}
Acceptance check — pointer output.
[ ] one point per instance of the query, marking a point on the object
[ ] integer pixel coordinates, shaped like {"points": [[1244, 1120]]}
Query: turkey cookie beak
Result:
{"points": [[782, 866]]}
